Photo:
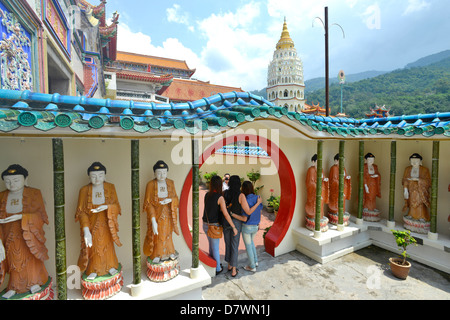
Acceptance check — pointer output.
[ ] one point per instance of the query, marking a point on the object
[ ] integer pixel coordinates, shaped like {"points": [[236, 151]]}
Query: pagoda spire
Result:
{"points": [[285, 41]]}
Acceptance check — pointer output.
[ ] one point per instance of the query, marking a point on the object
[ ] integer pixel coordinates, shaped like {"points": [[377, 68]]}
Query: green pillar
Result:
{"points": [[60, 231], [341, 183], [318, 185], [361, 180], [434, 186], [135, 212], [392, 180], [195, 204]]}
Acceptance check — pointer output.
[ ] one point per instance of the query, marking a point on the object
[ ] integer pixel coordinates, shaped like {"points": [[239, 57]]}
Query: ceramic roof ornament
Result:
{"points": [[22, 239], [97, 211], [161, 207]]}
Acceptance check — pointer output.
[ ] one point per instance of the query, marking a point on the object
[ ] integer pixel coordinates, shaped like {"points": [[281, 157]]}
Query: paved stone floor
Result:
{"points": [[362, 275]]}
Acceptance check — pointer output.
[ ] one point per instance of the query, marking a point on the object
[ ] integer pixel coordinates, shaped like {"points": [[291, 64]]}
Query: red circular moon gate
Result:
{"points": [[288, 191]]}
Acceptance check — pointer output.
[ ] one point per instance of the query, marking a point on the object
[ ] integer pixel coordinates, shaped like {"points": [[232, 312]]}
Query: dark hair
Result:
{"points": [[314, 157], [369, 155], [415, 156], [336, 157], [15, 169], [96, 166], [247, 188], [215, 185], [160, 165], [234, 189]]}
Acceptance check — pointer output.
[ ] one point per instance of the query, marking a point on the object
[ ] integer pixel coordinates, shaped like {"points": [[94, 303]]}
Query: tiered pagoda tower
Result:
{"points": [[285, 86]]}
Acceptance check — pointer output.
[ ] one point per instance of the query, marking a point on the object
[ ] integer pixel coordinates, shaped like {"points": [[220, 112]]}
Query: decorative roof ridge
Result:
{"points": [[151, 56]]}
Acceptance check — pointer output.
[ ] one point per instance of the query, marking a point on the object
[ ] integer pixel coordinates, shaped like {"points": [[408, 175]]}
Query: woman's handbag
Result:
{"points": [[214, 232]]}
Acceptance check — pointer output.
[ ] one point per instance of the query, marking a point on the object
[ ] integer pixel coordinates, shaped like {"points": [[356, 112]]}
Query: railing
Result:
{"points": [[148, 97], [243, 150]]}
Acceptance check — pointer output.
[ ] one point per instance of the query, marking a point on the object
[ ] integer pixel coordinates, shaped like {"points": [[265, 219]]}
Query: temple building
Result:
{"points": [[52, 46], [285, 84], [378, 112], [148, 78]]}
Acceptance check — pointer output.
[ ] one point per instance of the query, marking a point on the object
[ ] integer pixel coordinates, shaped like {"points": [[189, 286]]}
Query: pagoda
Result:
{"points": [[378, 112]]}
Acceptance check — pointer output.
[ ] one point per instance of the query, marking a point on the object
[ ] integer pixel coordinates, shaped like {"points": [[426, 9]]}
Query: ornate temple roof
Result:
{"points": [[152, 60], [26, 112], [144, 76], [191, 90]]}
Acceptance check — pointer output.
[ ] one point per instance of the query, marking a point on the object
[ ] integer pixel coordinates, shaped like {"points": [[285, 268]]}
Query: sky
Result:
{"points": [[232, 42]]}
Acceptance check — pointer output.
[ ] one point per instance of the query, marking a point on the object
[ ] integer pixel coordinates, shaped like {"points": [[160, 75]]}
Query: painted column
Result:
{"points": [[391, 222], [434, 186], [341, 186], [361, 180], [318, 188], [195, 207], [59, 205], [135, 212]]}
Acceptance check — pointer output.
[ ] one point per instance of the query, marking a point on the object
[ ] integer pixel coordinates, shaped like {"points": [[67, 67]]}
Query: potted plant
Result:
{"points": [[399, 266], [275, 203], [269, 202]]}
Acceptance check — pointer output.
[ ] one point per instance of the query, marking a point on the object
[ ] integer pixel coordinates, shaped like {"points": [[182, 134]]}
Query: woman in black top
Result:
{"points": [[214, 212]]}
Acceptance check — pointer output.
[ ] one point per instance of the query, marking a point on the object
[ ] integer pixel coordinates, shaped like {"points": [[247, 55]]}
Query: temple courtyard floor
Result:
{"points": [[361, 275]]}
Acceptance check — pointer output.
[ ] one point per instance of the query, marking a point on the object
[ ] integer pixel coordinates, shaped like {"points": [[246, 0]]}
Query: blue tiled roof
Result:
{"points": [[48, 111]]}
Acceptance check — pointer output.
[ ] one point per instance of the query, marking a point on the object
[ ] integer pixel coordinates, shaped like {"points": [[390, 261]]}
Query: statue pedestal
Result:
{"points": [[46, 293], [163, 270], [102, 287], [311, 224], [334, 218], [419, 226], [373, 216]]}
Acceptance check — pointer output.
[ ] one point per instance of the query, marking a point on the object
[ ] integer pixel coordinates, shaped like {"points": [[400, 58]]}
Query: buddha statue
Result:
{"points": [[22, 239], [416, 191], [310, 206], [372, 189]]}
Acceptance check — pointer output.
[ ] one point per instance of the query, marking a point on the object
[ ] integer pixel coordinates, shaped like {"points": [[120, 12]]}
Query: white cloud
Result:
{"points": [[175, 14], [415, 5]]}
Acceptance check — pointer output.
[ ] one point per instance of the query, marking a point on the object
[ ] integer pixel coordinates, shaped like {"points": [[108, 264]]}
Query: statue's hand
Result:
{"points": [[87, 237], [11, 218], [2, 251], [165, 201], [367, 188], [154, 226], [100, 209], [406, 193]]}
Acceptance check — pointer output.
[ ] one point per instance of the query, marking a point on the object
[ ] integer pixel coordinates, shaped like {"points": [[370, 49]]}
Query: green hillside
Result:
{"points": [[411, 90]]}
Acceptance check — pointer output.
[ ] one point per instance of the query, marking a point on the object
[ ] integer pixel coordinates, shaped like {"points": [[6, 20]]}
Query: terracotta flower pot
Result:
{"points": [[398, 269]]}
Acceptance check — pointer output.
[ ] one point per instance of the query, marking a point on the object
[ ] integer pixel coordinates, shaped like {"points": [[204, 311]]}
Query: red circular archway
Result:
{"points": [[287, 186]]}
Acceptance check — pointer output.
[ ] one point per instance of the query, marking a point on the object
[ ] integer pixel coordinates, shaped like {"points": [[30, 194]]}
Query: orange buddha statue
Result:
{"points": [[372, 189], [161, 206], [334, 192], [310, 206], [22, 238], [416, 190], [97, 211]]}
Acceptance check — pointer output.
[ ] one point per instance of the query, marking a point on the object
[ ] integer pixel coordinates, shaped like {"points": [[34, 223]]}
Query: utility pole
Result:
{"points": [[327, 80]]}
